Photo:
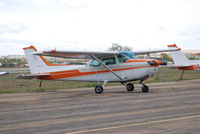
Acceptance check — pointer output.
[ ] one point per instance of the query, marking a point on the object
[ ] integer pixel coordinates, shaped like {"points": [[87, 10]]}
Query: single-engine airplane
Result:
{"points": [[181, 62], [3, 73], [108, 66]]}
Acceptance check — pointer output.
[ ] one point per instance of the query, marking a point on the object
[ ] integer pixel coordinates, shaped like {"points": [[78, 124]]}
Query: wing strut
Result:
{"points": [[107, 67]]}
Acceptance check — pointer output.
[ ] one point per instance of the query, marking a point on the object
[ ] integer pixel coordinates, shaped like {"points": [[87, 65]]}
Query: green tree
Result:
{"points": [[166, 57], [194, 58], [117, 47]]}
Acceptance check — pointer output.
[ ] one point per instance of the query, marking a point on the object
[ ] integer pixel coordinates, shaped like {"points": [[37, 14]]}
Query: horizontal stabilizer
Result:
{"points": [[31, 76]]}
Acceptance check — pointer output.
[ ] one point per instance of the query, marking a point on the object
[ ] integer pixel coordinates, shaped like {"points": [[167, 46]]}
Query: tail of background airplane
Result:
{"points": [[179, 58]]}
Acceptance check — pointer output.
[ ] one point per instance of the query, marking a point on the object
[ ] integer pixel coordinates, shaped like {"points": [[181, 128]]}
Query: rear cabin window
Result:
{"points": [[109, 61]]}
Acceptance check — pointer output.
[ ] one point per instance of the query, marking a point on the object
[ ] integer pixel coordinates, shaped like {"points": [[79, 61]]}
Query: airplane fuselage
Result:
{"points": [[130, 70]]}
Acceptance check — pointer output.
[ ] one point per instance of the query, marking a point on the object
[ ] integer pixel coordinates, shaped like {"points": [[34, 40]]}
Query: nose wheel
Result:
{"points": [[145, 88]]}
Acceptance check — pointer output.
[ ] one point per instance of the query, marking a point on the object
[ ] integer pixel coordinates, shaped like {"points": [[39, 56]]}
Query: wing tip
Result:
{"points": [[174, 45]]}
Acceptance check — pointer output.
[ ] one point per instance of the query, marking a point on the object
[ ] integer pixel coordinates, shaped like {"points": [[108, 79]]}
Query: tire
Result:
{"points": [[145, 89], [99, 89], [130, 87]]}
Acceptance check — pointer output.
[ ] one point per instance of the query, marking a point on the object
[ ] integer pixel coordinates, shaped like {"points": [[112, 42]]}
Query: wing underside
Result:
{"points": [[77, 54]]}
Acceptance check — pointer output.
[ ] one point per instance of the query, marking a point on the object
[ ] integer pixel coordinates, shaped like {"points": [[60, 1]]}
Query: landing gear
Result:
{"points": [[145, 88], [40, 86], [181, 77], [98, 89], [130, 87]]}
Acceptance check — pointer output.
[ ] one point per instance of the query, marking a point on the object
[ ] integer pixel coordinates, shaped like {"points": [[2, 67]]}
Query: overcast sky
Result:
{"points": [[96, 24]]}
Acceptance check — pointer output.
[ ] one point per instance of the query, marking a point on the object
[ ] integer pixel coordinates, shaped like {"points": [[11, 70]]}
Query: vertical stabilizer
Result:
{"points": [[178, 57], [37, 64]]}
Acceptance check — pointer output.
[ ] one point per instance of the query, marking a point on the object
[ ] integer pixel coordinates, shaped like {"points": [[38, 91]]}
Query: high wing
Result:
{"points": [[98, 54], [77, 54], [31, 76], [155, 51]]}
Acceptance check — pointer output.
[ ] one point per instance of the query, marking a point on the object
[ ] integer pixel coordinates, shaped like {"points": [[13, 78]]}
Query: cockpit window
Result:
{"points": [[129, 54], [122, 58], [94, 63]]}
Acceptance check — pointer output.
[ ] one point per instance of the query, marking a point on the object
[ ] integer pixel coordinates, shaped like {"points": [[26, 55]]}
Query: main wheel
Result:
{"points": [[130, 87], [145, 89], [99, 89]]}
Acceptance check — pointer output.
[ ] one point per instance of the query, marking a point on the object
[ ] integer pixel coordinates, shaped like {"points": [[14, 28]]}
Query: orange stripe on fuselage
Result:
{"points": [[136, 60], [77, 73]]}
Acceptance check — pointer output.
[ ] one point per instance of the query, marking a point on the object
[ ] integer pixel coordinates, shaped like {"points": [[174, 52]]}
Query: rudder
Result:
{"points": [[37, 64]]}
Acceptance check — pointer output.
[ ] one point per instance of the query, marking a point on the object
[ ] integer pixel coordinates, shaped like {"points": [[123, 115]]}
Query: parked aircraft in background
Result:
{"points": [[3, 73], [196, 54], [108, 66], [181, 62]]}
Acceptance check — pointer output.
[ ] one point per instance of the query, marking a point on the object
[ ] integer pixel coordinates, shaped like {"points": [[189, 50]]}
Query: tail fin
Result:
{"points": [[37, 64], [178, 57]]}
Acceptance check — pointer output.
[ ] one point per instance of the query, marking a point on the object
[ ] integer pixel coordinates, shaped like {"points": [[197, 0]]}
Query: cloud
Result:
{"points": [[59, 3], [10, 45], [2, 4], [191, 30], [13, 27]]}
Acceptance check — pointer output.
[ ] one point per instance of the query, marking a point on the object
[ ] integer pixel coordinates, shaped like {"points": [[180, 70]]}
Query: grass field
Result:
{"points": [[9, 85]]}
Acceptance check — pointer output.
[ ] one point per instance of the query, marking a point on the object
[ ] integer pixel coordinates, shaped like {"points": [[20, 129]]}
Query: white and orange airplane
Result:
{"points": [[108, 66], [181, 62]]}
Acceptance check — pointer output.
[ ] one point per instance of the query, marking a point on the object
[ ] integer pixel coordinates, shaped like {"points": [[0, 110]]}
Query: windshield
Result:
{"points": [[129, 54], [94, 63]]}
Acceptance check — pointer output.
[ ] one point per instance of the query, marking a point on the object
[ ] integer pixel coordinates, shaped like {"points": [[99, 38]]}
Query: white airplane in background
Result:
{"points": [[3, 73], [196, 54], [181, 62], [108, 66]]}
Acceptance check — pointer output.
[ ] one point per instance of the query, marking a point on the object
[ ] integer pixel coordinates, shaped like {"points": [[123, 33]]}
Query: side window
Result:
{"points": [[94, 63], [109, 61], [121, 58]]}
